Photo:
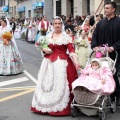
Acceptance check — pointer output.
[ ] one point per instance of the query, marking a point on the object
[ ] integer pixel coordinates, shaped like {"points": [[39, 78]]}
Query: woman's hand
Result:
{"points": [[77, 65], [47, 50], [103, 81], [75, 60], [6, 42]]}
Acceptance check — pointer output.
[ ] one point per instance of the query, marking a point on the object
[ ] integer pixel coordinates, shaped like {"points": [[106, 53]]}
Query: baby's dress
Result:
{"points": [[92, 80]]}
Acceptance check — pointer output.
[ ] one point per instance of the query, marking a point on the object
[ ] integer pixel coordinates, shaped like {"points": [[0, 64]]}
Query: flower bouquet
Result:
{"points": [[23, 25], [42, 43], [6, 38], [43, 31]]}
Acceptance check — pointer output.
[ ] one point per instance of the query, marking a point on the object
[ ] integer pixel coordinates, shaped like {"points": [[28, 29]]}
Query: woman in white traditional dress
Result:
{"points": [[53, 91], [24, 28], [10, 60], [32, 31], [38, 34], [17, 32]]}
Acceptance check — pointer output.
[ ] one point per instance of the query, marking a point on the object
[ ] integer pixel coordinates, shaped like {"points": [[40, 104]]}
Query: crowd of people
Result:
{"points": [[69, 44]]}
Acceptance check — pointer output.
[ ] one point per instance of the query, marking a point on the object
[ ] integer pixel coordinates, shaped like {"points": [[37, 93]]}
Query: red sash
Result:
{"points": [[43, 25]]}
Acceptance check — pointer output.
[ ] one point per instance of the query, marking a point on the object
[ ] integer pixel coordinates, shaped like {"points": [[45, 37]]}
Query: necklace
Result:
{"points": [[58, 33]]}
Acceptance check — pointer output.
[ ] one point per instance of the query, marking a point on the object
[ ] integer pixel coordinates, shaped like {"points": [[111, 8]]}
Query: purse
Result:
{"points": [[102, 51], [98, 54]]}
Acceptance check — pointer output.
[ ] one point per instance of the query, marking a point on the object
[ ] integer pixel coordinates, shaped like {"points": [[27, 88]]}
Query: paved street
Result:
{"points": [[16, 91]]}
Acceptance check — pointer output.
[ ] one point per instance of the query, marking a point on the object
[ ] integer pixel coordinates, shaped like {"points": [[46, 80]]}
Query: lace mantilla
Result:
{"points": [[63, 40]]}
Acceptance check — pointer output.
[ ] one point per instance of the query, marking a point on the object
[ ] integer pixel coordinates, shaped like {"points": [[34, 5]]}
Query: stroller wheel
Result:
{"points": [[113, 107], [102, 115], [73, 112]]}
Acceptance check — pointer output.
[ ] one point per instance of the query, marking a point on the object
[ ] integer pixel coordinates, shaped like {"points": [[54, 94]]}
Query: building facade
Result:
{"points": [[4, 7], [35, 8], [52, 8], [80, 7], [13, 8], [75, 7]]}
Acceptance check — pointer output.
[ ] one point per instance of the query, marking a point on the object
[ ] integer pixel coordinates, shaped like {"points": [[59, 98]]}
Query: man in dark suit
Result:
{"points": [[108, 32]]}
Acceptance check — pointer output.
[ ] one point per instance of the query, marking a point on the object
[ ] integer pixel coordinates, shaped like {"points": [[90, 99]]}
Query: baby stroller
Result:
{"points": [[91, 103]]}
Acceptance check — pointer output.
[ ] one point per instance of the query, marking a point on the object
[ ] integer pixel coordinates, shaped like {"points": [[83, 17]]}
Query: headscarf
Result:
{"points": [[59, 18], [8, 23], [91, 20], [96, 60], [13, 38], [87, 18]]}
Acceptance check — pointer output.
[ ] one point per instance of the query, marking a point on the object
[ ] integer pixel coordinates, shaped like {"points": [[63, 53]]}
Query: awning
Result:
{"points": [[37, 5], [21, 9], [5, 8]]}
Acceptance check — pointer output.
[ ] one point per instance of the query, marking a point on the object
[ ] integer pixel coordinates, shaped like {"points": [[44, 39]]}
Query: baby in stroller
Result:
{"points": [[96, 78], [92, 89]]}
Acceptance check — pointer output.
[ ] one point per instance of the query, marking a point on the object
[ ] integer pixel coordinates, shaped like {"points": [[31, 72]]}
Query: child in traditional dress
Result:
{"points": [[72, 36], [83, 49], [41, 40], [96, 78], [43, 35], [67, 31]]}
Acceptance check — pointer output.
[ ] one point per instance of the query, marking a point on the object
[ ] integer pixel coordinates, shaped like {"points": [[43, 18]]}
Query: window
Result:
{"points": [[0, 3], [72, 6], [58, 8], [15, 10], [12, 9], [107, 1], [117, 1], [88, 7], [3, 2], [118, 9], [29, 13]]}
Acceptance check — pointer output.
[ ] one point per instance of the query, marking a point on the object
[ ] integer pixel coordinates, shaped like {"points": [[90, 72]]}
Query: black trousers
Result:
{"points": [[116, 77]]}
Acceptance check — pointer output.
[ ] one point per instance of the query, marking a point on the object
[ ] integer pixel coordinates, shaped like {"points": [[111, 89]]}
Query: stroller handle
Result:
{"points": [[116, 54]]}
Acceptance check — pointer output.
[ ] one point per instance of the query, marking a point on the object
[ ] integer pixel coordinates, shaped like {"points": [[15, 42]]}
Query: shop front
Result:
{"points": [[38, 9], [21, 12]]}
